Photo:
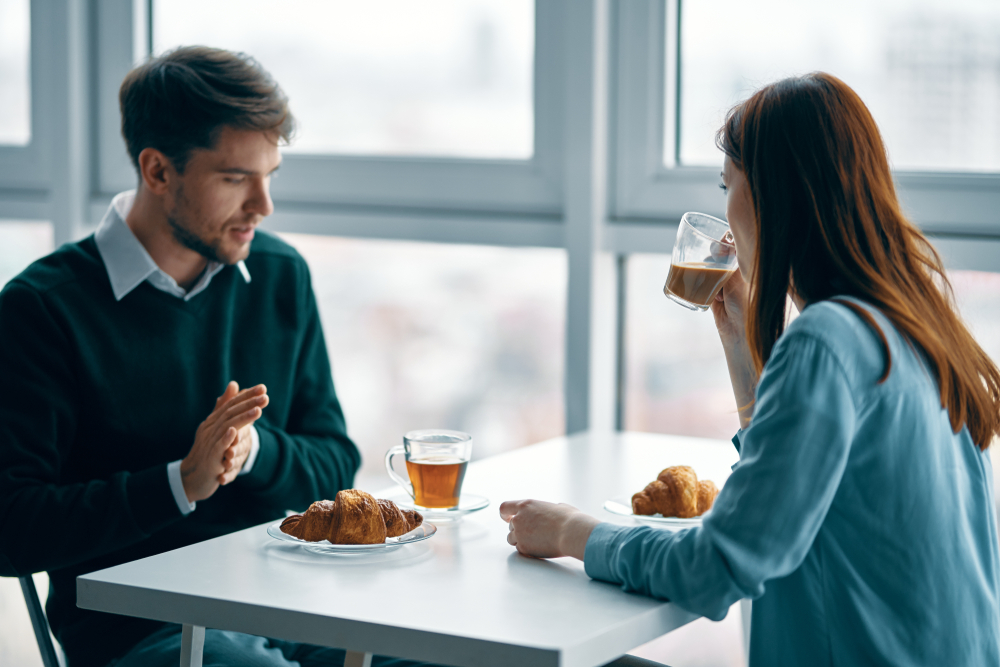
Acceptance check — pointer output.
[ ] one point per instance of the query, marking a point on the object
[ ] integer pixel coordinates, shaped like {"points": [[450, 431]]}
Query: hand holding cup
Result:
{"points": [[704, 257]]}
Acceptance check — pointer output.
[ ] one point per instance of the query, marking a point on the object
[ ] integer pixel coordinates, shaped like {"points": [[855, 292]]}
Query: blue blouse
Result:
{"points": [[862, 527]]}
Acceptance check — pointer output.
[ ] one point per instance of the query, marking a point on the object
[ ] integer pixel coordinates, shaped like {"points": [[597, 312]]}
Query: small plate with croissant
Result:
{"points": [[675, 499], [353, 522]]}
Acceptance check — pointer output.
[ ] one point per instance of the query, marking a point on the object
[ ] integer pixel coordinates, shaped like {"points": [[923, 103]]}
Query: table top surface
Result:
{"points": [[462, 597]]}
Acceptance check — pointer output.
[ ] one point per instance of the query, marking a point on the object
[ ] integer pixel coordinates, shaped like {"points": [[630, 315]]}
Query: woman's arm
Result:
{"points": [[729, 310], [547, 530], [766, 516]]}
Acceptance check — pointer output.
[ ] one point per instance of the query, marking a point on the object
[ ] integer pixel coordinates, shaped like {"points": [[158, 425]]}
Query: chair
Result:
{"points": [[50, 655]]}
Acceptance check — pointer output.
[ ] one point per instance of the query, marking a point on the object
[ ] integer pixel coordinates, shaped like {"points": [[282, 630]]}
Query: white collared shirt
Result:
{"points": [[129, 265]]}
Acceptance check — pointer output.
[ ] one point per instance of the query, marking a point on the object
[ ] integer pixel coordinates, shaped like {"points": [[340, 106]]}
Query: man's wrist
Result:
{"points": [[176, 479], [254, 449]]}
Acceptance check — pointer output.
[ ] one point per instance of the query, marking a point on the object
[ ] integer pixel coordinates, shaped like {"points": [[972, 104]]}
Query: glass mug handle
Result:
{"points": [[392, 473]]}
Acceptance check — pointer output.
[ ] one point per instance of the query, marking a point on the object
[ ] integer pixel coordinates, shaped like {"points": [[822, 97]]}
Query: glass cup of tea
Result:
{"points": [[435, 461], [704, 257]]}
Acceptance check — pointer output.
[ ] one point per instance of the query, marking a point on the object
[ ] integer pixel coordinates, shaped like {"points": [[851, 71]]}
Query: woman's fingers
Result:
{"points": [[509, 508]]}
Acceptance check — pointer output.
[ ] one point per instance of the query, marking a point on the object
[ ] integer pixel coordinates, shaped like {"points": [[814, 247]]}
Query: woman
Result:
{"points": [[860, 518]]}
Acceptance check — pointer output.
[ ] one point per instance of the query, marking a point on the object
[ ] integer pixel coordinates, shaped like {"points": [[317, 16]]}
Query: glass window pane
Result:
{"points": [[977, 294], [425, 335], [928, 70], [21, 243], [15, 87], [387, 77], [17, 641], [676, 376]]}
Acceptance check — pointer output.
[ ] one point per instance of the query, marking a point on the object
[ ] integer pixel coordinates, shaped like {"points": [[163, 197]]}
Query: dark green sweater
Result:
{"points": [[97, 396]]}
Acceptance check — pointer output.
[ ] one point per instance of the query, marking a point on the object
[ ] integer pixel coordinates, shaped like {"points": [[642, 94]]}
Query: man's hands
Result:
{"points": [[546, 530], [222, 442]]}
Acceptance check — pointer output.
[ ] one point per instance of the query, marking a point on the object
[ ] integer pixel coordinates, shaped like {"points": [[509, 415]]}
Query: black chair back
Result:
{"points": [[39, 623]]}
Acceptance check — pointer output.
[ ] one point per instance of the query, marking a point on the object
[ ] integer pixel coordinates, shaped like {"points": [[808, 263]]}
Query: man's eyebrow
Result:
{"points": [[245, 172]]}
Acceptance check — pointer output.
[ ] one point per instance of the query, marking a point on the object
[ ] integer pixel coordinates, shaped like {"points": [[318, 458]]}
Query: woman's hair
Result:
{"points": [[829, 223]]}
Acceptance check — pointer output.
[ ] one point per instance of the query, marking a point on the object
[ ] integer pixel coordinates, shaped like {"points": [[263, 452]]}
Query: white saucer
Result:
{"points": [[467, 504], [622, 505], [418, 534]]}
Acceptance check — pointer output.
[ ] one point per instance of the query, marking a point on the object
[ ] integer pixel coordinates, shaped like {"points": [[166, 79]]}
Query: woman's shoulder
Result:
{"points": [[831, 318], [838, 327]]}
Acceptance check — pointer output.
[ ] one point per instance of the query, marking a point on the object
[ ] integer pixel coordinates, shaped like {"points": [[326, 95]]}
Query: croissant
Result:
{"points": [[353, 517], [312, 526], [707, 491], [675, 492]]}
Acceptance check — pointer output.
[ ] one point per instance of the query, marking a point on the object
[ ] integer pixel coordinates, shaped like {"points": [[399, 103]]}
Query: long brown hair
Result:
{"points": [[829, 223]]}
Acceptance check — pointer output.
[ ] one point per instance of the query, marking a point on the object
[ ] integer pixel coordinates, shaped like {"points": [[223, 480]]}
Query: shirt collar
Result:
{"points": [[128, 263]]}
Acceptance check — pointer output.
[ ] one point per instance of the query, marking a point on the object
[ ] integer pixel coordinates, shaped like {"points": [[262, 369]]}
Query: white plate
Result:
{"points": [[622, 505], [418, 534], [467, 504]]}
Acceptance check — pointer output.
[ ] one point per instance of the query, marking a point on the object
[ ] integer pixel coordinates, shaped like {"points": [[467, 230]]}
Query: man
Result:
{"points": [[114, 441]]}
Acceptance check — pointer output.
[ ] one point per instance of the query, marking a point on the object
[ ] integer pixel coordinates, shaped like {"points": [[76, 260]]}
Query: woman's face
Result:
{"points": [[739, 213]]}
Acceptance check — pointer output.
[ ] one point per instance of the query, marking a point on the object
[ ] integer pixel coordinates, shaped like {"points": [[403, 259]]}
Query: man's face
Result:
{"points": [[223, 194]]}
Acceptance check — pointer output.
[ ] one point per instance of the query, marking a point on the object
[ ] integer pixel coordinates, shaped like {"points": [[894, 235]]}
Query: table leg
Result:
{"points": [[358, 659], [192, 645], [746, 611]]}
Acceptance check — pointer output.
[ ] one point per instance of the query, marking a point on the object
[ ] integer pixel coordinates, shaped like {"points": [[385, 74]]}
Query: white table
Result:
{"points": [[463, 597]]}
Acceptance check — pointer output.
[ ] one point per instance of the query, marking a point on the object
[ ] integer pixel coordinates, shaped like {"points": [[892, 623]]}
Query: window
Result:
{"points": [[21, 243], [676, 375], [425, 335], [927, 70], [384, 77], [15, 88], [977, 294], [17, 645], [675, 369]]}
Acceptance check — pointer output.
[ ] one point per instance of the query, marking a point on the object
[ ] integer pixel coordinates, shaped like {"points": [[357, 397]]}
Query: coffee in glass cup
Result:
{"points": [[704, 257], [436, 460]]}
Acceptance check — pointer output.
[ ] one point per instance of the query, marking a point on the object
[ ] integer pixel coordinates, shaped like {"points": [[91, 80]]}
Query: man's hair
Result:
{"points": [[180, 101]]}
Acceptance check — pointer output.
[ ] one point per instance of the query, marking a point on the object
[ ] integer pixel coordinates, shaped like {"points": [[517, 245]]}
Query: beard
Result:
{"points": [[190, 240], [186, 235]]}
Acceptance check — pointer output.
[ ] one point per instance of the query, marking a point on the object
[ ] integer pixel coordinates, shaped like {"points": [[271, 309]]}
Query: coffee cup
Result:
{"points": [[436, 460], [704, 257]]}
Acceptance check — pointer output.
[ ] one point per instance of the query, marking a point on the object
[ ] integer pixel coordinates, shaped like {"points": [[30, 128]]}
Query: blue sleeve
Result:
{"points": [[769, 511]]}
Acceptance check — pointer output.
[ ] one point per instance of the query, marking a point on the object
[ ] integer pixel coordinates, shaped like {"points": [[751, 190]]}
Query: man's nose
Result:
{"points": [[259, 201]]}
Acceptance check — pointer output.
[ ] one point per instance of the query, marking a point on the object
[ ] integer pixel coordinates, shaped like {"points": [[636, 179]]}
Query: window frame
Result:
{"points": [[24, 170], [596, 185], [647, 192], [339, 184]]}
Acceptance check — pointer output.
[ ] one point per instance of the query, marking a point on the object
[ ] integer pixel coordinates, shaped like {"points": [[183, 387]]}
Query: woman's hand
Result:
{"points": [[729, 309], [547, 530]]}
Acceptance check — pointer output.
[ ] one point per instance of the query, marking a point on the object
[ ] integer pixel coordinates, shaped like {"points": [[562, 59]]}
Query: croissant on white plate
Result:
{"points": [[676, 492], [353, 517]]}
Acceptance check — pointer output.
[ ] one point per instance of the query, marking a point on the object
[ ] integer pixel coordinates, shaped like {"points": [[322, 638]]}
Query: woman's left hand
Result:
{"points": [[547, 530]]}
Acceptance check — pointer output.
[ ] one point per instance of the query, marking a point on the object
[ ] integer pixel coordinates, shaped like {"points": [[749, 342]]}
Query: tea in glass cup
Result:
{"points": [[703, 259], [436, 460]]}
